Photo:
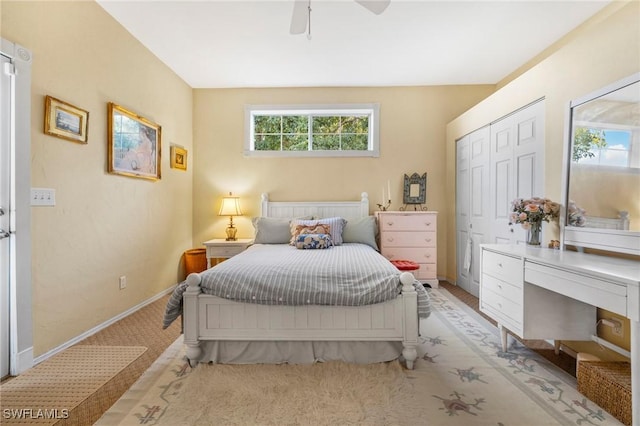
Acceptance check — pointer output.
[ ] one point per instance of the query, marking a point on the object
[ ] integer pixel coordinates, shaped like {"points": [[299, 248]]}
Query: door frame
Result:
{"points": [[21, 322]]}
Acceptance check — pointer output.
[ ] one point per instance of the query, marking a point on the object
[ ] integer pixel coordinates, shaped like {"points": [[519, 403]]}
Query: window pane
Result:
{"points": [[326, 142], [267, 123], [267, 143], [326, 125], [355, 142], [295, 142], [355, 124], [295, 124]]}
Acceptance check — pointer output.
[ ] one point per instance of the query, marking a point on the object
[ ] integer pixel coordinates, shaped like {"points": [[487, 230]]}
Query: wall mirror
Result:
{"points": [[602, 169], [414, 191]]}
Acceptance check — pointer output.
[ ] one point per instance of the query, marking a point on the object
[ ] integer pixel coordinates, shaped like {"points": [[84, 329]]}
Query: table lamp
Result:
{"points": [[230, 207]]}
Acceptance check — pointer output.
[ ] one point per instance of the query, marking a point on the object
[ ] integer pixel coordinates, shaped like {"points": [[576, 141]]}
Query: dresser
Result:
{"points": [[411, 236], [539, 293]]}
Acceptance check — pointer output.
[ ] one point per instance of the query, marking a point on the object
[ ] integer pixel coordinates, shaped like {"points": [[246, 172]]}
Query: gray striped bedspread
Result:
{"points": [[279, 274]]}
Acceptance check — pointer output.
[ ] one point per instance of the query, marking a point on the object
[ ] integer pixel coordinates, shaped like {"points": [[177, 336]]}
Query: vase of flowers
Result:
{"points": [[530, 213]]}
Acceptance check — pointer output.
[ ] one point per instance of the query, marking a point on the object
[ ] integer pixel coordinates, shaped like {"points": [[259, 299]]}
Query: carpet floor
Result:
{"points": [[143, 328], [461, 377]]}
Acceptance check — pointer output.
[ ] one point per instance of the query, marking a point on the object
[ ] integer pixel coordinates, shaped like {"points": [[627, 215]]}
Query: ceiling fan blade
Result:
{"points": [[375, 6], [299, 17]]}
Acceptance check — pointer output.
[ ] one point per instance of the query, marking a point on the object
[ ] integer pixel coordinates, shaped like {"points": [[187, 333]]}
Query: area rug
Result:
{"points": [[48, 392], [462, 377]]}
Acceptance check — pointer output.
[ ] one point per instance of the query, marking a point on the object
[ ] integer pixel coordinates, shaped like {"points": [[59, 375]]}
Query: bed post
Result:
{"points": [[191, 318], [410, 333], [364, 204]]}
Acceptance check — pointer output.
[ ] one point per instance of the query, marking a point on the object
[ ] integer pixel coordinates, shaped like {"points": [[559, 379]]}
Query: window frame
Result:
{"points": [[370, 109]]}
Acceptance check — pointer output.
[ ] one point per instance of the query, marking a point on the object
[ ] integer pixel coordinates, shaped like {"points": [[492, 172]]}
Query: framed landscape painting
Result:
{"points": [[65, 121], [134, 144]]}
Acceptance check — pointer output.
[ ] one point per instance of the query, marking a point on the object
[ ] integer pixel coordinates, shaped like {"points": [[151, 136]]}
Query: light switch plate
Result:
{"points": [[43, 197]]}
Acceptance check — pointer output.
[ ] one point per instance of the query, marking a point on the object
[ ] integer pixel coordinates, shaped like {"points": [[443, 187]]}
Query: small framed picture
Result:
{"points": [[134, 144], [178, 158], [65, 121]]}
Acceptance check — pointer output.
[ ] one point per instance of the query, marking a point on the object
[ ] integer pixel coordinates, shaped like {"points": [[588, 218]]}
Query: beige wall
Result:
{"points": [[412, 135], [600, 52], [103, 226]]}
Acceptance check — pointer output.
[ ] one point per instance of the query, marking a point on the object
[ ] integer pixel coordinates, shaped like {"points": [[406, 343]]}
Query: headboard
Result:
{"points": [[345, 209], [619, 223]]}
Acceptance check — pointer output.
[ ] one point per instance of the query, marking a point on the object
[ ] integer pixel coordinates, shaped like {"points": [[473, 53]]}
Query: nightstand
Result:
{"points": [[219, 248]]}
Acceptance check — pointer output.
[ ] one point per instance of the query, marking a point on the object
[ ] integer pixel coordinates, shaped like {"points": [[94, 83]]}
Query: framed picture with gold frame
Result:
{"points": [[178, 157], [65, 121], [134, 144]]}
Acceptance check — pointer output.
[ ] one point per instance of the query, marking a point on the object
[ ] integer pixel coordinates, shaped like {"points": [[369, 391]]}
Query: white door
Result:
{"points": [[517, 167], [462, 213], [479, 202], [472, 206], [5, 210]]}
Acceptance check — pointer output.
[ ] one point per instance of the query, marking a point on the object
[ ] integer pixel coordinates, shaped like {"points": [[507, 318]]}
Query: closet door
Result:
{"points": [[517, 168], [472, 206], [462, 213]]}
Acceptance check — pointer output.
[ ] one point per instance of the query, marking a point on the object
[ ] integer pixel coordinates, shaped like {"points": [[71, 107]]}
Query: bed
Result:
{"points": [[223, 327]]}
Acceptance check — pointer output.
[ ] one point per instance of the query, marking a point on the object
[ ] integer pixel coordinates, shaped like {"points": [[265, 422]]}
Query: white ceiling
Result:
{"points": [[238, 43]]}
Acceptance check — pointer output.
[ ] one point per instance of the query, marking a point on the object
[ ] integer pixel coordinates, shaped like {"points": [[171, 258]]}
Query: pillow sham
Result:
{"points": [[315, 228], [363, 231], [273, 230], [336, 225], [313, 241]]}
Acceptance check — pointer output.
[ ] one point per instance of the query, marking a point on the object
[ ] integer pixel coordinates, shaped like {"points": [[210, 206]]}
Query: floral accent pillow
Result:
{"points": [[313, 241], [312, 228], [336, 226]]}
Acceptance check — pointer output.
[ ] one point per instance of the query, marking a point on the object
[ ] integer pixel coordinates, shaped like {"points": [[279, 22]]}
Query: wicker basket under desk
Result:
{"points": [[608, 384]]}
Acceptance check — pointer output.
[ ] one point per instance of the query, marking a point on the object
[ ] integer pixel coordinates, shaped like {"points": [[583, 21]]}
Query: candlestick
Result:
{"points": [[388, 189]]}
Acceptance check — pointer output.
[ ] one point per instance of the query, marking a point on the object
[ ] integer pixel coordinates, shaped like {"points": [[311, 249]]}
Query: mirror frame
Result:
{"points": [[603, 239]]}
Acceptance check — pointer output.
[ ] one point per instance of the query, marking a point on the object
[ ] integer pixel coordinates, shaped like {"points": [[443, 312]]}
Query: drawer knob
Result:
{"points": [[427, 256], [389, 239], [428, 223], [390, 223], [428, 240], [500, 305], [500, 265]]}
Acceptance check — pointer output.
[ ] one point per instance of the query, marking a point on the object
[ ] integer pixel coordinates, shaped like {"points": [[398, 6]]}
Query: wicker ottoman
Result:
{"points": [[608, 384]]}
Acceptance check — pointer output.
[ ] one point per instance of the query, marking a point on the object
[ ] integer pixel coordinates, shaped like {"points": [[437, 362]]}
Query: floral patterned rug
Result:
{"points": [[462, 377]]}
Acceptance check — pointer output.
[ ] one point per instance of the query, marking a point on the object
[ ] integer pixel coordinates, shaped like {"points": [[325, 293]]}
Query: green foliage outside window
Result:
{"points": [[585, 140], [328, 133]]}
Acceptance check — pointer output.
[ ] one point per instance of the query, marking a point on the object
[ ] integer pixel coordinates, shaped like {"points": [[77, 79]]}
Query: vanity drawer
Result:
{"points": [[408, 222], [593, 291], [503, 267], [502, 309], [408, 239], [506, 290]]}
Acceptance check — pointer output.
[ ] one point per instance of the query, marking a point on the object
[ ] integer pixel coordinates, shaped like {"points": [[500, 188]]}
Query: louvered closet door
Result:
{"points": [[517, 167]]}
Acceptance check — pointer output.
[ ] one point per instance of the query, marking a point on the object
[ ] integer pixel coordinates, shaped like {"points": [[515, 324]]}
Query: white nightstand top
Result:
{"points": [[223, 242]]}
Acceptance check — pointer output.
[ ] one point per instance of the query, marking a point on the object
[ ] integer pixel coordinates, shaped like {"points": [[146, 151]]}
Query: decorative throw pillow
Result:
{"points": [[336, 225], [362, 231], [313, 228], [313, 241]]}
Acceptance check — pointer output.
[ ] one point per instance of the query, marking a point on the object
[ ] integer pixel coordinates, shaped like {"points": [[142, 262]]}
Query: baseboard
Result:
{"points": [[24, 361], [99, 327]]}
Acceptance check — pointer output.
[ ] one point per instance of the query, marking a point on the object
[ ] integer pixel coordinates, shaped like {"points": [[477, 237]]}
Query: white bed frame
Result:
{"points": [[209, 317]]}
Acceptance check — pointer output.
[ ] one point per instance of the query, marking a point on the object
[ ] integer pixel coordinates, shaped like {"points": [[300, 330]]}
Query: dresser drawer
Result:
{"points": [[408, 239], [418, 255], [501, 288], [503, 267], [407, 222], [427, 271]]}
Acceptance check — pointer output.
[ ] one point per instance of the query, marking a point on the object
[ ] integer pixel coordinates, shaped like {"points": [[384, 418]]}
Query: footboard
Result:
{"points": [[209, 317]]}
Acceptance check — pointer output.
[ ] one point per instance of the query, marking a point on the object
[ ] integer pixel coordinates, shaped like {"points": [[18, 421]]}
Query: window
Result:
{"points": [[606, 147], [312, 131]]}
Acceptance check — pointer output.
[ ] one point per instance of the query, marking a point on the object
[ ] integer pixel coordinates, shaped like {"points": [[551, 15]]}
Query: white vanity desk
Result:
{"points": [[539, 293]]}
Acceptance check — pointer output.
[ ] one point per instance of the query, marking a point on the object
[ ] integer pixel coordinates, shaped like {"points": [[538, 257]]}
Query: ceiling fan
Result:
{"points": [[301, 18]]}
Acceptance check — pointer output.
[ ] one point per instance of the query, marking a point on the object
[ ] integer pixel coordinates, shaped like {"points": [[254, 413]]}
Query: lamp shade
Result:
{"points": [[230, 207]]}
